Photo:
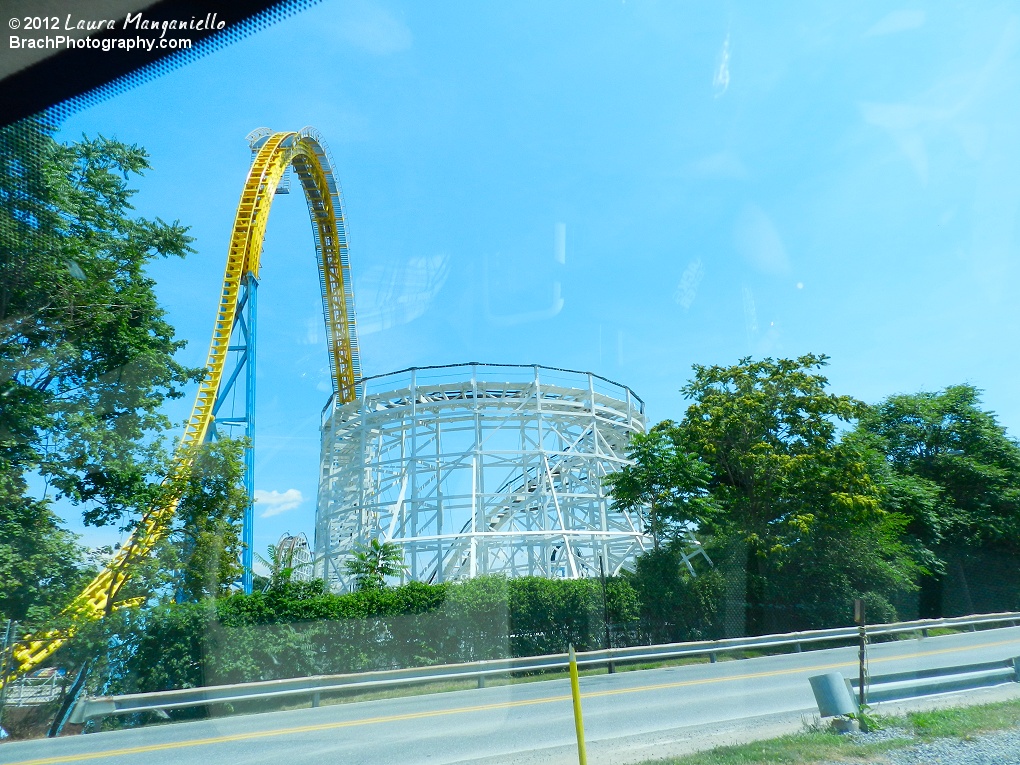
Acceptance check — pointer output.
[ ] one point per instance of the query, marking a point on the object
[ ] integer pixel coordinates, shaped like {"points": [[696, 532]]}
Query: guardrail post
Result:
{"points": [[315, 699], [797, 647], [481, 681], [1016, 668], [713, 657], [832, 695]]}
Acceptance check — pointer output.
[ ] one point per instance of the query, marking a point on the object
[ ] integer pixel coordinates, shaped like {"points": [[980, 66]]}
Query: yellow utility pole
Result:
{"points": [[575, 692]]}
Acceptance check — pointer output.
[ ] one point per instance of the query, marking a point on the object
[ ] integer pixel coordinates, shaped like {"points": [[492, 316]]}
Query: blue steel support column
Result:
{"points": [[243, 336], [248, 532]]}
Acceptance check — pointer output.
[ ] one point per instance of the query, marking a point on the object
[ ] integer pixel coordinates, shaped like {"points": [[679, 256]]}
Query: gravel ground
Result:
{"points": [[1000, 748]]}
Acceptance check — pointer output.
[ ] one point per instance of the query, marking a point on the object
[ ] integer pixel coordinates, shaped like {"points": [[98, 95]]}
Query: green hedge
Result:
{"points": [[300, 630]]}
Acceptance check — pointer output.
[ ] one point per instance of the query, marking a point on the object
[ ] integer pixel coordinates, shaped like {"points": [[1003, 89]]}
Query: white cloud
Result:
{"points": [[953, 105], [388, 297], [314, 328], [721, 165], [758, 240], [276, 502], [373, 29], [907, 125], [897, 21], [750, 314]]}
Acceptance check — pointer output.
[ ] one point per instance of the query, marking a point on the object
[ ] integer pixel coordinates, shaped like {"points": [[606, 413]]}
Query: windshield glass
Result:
{"points": [[656, 333]]}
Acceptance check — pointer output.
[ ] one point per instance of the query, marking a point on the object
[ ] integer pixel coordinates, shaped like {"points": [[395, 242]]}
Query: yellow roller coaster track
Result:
{"points": [[307, 154]]}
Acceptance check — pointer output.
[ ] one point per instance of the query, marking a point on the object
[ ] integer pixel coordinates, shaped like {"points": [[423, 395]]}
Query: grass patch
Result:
{"points": [[940, 631], [684, 661], [817, 746], [965, 722], [796, 749]]}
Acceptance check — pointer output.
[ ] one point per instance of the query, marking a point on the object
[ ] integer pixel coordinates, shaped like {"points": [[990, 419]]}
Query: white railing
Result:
{"points": [[316, 685], [32, 691]]}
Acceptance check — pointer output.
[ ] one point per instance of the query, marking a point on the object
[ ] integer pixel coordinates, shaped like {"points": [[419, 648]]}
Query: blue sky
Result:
{"points": [[623, 188]]}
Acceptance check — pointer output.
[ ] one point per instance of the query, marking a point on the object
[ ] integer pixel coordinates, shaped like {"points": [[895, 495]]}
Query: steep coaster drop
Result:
{"points": [[307, 154]]}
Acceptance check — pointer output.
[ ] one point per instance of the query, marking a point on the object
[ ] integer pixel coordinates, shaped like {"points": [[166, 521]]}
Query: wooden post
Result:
{"points": [[860, 618]]}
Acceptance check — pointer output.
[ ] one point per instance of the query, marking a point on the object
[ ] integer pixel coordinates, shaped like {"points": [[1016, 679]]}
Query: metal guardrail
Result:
{"points": [[316, 685], [840, 696], [924, 682]]}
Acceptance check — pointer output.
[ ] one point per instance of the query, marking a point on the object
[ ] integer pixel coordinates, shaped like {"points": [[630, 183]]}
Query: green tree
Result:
{"points": [[849, 544], [86, 356], [674, 605], [201, 552], [959, 474], [39, 560], [370, 564], [754, 424], [801, 520], [666, 484]]}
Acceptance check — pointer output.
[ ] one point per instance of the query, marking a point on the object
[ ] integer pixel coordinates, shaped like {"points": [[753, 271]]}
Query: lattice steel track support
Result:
{"points": [[475, 469], [243, 344]]}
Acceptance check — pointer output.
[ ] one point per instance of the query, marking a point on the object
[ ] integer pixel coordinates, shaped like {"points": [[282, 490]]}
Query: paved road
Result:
{"points": [[529, 722]]}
